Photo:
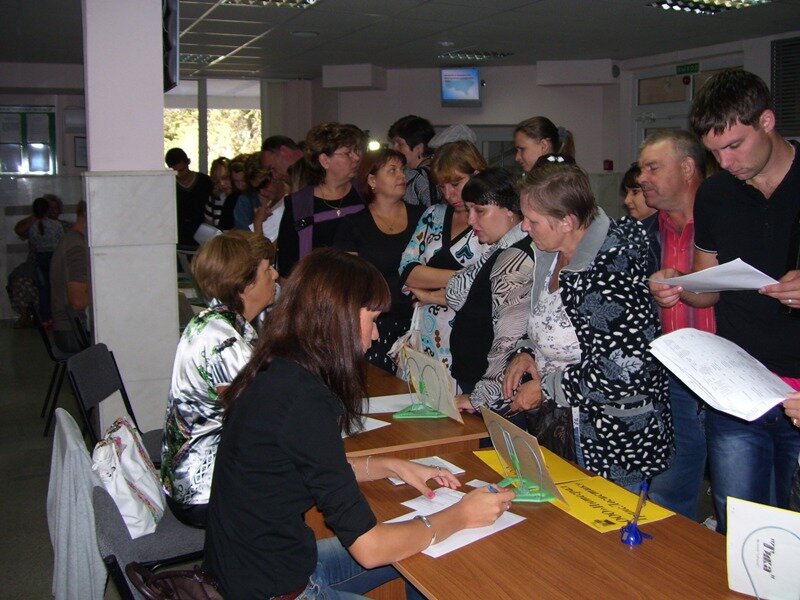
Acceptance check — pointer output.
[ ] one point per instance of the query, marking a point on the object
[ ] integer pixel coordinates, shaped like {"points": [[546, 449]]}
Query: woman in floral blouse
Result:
{"points": [[591, 321], [235, 270], [443, 243]]}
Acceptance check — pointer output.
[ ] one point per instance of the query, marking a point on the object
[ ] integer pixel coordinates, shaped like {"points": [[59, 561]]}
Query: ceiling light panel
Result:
{"points": [[705, 7]]}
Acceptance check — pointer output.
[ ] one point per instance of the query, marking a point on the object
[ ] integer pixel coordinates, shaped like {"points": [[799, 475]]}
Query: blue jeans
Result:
{"points": [[678, 488], [339, 577], [744, 456]]}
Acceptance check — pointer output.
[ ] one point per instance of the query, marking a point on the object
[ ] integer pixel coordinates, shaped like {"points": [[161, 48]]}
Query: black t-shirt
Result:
{"points": [[281, 452], [735, 220], [359, 233], [191, 207], [323, 233]]}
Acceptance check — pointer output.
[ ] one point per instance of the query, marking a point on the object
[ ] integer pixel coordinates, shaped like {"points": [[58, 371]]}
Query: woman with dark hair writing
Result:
{"points": [[282, 453]]}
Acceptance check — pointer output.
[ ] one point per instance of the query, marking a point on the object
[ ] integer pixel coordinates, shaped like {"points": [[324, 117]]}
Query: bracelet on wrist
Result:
{"points": [[427, 522]]}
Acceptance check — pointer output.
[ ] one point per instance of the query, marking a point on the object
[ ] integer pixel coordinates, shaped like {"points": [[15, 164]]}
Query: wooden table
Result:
{"points": [[412, 438], [552, 555]]}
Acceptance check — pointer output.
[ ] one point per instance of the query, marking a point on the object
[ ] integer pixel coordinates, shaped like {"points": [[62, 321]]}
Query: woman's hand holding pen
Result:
{"points": [[482, 506]]}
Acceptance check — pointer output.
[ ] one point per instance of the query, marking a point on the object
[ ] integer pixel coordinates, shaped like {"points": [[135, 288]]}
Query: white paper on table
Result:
{"points": [[431, 461], [735, 275], [720, 372], [763, 548], [446, 497], [368, 424], [388, 404]]}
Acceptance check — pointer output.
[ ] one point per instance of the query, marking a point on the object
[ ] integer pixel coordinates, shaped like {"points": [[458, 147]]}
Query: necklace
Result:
{"points": [[388, 225], [338, 209]]}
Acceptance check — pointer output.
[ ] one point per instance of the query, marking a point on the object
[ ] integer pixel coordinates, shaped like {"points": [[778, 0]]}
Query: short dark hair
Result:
{"points": [[496, 186], [726, 98], [630, 179], [685, 143], [414, 130], [174, 156], [274, 142], [371, 163], [558, 190]]}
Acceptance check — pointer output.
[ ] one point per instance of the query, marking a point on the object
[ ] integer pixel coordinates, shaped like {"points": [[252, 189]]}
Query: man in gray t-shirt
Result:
{"points": [[69, 283]]}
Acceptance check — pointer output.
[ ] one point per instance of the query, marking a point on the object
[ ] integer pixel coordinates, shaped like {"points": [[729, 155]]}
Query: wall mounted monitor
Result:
{"points": [[461, 86]]}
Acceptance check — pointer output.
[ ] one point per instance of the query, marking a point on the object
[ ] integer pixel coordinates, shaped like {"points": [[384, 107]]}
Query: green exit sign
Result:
{"points": [[687, 69]]}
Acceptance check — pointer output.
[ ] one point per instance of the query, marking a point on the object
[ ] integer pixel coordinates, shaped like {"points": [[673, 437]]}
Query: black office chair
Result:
{"points": [[95, 376], [59, 359]]}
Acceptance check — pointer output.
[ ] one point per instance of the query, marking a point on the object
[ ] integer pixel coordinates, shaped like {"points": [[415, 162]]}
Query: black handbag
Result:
{"points": [[551, 425], [175, 584]]}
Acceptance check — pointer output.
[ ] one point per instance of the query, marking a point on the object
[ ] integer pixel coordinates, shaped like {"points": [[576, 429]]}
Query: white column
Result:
{"points": [[131, 201]]}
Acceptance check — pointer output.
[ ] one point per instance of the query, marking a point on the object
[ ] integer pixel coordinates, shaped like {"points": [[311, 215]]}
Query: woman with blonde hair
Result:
{"points": [[234, 271], [442, 243]]}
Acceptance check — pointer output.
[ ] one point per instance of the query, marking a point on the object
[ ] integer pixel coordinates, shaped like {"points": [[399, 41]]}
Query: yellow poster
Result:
{"points": [[560, 470], [604, 505], [592, 500]]}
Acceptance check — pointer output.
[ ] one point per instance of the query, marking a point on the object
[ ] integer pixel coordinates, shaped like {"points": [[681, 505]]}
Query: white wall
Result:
{"points": [[510, 95]]}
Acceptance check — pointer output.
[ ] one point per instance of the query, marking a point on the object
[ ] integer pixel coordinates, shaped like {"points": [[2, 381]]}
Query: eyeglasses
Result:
{"points": [[352, 154]]}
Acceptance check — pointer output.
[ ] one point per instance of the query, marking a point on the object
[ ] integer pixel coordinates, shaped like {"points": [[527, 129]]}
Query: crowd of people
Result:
{"points": [[538, 303]]}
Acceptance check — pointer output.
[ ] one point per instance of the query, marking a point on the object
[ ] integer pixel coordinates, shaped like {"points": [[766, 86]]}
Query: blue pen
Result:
{"points": [[493, 489]]}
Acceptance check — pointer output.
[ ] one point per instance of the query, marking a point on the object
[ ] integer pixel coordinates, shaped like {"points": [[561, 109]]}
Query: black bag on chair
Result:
{"points": [[175, 584]]}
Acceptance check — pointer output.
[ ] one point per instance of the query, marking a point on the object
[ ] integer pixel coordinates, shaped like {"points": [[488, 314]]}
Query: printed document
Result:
{"points": [[720, 372], [446, 497], [735, 275]]}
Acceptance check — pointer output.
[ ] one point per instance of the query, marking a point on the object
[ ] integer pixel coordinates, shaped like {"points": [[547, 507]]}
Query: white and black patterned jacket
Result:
{"points": [[619, 388]]}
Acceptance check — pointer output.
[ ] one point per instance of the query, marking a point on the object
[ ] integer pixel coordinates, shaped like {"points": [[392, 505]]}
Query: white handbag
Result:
{"points": [[128, 474], [410, 339]]}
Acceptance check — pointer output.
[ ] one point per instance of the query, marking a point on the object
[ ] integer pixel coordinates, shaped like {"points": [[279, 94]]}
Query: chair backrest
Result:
{"points": [[94, 376]]}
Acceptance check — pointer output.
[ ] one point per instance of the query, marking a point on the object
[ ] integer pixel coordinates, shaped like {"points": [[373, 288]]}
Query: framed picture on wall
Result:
{"points": [[81, 159]]}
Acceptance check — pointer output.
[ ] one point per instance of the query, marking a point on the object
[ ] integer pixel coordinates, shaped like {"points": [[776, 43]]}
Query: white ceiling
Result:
{"points": [[257, 41]]}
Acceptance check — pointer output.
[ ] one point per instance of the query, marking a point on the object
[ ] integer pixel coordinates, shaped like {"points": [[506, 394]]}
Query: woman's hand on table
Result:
{"points": [[417, 475], [463, 404]]}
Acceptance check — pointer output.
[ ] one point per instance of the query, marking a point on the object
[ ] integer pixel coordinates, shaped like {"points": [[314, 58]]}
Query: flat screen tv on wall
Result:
{"points": [[461, 86]]}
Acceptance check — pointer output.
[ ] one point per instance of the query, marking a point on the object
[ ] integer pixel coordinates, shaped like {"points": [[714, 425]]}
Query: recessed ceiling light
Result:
{"points": [[289, 3], [305, 34], [473, 55], [202, 59], [705, 7]]}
